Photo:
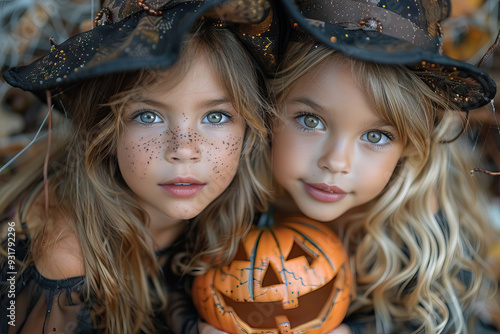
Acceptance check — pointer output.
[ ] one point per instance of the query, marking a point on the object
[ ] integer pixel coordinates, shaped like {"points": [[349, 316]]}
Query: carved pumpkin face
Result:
{"points": [[289, 278]]}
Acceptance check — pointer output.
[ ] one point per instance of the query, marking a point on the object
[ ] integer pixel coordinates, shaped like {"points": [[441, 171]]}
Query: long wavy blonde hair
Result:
{"points": [[416, 270], [85, 184]]}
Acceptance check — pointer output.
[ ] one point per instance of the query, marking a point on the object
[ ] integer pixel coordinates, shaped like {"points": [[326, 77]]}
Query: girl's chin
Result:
{"points": [[319, 214], [187, 216]]}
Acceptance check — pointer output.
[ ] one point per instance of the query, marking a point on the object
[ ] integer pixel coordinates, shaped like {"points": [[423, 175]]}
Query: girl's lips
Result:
{"points": [[324, 193], [182, 191], [182, 187]]}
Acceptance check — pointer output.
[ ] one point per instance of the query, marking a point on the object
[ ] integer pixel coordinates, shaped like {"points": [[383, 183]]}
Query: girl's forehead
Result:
{"points": [[196, 63], [200, 86]]}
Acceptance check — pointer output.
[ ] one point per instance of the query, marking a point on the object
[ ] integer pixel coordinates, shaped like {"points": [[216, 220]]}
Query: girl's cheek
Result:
{"points": [[138, 152], [223, 156]]}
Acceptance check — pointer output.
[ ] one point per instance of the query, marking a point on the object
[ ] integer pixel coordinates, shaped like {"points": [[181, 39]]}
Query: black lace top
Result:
{"points": [[31, 303]]}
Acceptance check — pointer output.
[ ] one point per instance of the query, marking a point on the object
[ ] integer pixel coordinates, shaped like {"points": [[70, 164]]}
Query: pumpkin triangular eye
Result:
{"points": [[270, 277], [241, 254], [298, 251]]}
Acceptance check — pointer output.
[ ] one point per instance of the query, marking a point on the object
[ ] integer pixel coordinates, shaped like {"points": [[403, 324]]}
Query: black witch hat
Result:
{"points": [[134, 34], [404, 32]]}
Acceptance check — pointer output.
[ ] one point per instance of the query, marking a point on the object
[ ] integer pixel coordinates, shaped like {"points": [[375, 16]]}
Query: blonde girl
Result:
{"points": [[370, 148], [155, 169]]}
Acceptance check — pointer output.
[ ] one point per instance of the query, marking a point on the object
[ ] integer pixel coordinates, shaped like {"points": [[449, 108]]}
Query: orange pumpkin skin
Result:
{"points": [[292, 277]]}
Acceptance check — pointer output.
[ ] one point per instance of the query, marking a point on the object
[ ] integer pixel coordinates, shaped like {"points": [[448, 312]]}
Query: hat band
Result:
{"points": [[371, 18], [235, 11], [241, 11]]}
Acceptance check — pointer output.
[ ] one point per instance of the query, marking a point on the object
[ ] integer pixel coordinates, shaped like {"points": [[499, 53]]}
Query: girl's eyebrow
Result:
{"points": [[209, 103], [381, 123], [310, 103], [215, 102], [320, 109]]}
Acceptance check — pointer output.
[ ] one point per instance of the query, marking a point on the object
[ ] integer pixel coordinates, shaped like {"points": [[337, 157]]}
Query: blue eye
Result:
{"points": [[311, 122], [377, 137], [216, 117], [147, 117]]}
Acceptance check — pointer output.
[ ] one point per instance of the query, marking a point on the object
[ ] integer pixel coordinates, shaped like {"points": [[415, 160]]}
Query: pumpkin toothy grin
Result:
{"points": [[261, 315]]}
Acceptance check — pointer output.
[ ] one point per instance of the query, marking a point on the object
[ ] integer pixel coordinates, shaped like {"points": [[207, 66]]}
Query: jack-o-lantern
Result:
{"points": [[292, 277]]}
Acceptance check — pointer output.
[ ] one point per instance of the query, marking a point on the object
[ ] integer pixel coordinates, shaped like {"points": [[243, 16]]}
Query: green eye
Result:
{"points": [[147, 117], [311, 121], [214, 117], [374, 137], [377, 137]]}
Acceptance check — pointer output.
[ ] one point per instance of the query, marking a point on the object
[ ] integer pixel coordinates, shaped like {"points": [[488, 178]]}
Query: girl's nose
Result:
{"points": [[336, 157], [182, 148]]}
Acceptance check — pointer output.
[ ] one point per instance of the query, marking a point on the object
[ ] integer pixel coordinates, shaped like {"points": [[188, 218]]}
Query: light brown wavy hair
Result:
{"points": [[85, 184], [418, 271]]}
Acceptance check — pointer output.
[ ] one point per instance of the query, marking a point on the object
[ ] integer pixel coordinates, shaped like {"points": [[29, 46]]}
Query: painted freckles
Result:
{"points": [[213, 151]]}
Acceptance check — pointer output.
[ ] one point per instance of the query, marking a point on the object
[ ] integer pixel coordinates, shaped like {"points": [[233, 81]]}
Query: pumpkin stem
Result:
{"points": [[266, 219]]}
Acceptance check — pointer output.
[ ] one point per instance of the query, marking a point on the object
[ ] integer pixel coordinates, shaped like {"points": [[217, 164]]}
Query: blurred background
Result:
{"points": [[25, 29]]}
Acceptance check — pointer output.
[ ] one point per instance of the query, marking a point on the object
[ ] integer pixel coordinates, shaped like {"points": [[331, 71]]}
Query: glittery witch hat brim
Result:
{"points": [[138, 40], [398, 33]]}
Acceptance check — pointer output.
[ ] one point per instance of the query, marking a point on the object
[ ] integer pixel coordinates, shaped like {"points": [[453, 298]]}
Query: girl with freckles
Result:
{"points": [[368, 142], [159, 171]]}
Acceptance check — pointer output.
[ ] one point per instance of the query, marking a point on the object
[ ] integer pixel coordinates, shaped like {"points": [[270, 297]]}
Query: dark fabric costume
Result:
{"points": [[36, 304]]}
